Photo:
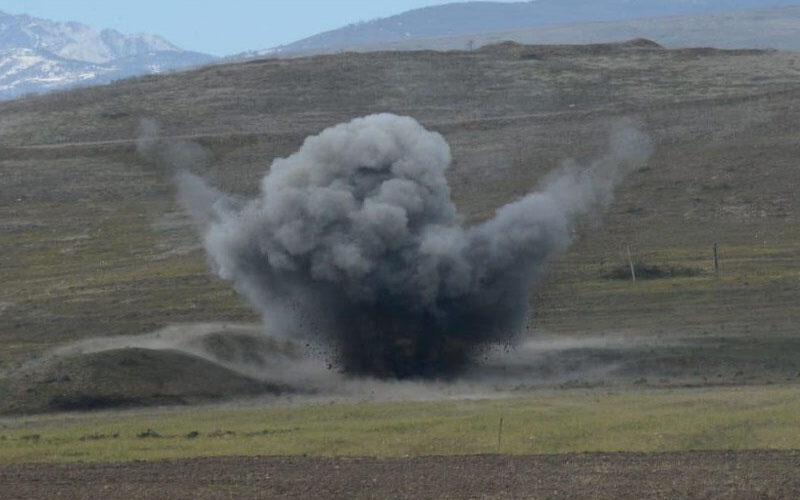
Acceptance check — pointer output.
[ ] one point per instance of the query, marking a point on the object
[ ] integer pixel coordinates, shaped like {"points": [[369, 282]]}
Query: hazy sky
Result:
{"points": [[219, 27]]}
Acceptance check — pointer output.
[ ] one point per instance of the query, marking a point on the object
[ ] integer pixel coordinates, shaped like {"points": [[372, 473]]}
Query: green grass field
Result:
{"points": [[560, 421]]}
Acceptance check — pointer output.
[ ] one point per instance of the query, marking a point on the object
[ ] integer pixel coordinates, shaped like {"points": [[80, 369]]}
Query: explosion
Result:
{"points": [[355, 242]]}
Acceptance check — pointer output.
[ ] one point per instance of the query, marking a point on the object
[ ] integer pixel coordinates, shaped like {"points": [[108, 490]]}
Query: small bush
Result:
{"points": [[221, 433], [98, 437], [149, 433]]}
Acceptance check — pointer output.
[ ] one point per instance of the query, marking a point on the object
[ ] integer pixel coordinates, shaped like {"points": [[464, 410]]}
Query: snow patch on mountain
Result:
{"points": [[37, 55]]}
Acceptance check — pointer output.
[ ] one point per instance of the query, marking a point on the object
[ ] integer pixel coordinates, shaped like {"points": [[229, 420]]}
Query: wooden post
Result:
{"points": [[499, 434], [716, 261], [630, 261]]}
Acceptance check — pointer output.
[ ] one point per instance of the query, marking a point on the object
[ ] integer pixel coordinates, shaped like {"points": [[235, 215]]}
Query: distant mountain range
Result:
{"points": [[422, 28], [37, 55]]}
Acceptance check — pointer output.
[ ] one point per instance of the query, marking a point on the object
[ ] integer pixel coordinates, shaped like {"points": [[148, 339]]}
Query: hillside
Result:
{"points": [[774, 28], [550, 21], [94, 244]]}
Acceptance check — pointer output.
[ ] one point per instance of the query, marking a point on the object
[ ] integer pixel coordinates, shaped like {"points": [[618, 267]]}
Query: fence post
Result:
{"points": [[633, 268], [500, 435]]}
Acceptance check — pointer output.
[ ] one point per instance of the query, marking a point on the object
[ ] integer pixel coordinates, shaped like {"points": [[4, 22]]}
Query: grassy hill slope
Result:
{"points": [[93, 243]]}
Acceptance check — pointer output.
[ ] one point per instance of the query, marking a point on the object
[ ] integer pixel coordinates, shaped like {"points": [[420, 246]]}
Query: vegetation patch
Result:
{"points": [[652, 272], [149, 433], [98, 437]]}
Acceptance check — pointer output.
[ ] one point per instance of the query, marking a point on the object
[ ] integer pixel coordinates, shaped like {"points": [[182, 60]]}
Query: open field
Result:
{"points": [[433, 449], [94, 244], [692, 356], [547, 422]]}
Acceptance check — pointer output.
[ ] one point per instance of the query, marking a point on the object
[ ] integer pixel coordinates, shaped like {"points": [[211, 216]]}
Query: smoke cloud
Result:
{"points": [[354, 242]]}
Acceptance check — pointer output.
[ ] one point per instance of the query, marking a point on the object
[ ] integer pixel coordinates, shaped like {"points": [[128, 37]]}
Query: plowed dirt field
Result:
{"points": [[695, 475]]}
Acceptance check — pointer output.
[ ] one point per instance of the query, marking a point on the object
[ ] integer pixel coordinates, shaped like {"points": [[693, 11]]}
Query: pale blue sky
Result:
{"points": [[216, 26]]}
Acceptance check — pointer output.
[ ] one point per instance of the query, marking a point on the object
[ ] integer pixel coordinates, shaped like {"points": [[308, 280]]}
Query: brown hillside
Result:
{"points": [[93, 243]]}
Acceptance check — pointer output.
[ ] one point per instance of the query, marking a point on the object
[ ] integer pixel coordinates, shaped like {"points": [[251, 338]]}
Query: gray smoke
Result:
{"points": [[354, 241]]}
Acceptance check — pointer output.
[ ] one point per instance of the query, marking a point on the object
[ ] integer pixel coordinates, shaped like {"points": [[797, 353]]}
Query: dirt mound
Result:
{"points": [[244, 349], [642, 43], [124, 377]]}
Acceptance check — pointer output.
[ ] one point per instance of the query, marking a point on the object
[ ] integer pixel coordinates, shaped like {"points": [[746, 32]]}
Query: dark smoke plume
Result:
{"points": [[354, 241]]}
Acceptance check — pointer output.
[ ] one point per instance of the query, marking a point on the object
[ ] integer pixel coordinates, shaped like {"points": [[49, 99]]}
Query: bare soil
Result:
{"points": [[694, 475]]}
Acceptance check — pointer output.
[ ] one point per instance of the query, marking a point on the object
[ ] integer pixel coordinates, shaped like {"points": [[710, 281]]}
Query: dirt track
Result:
{"points": [[707, 475]]}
